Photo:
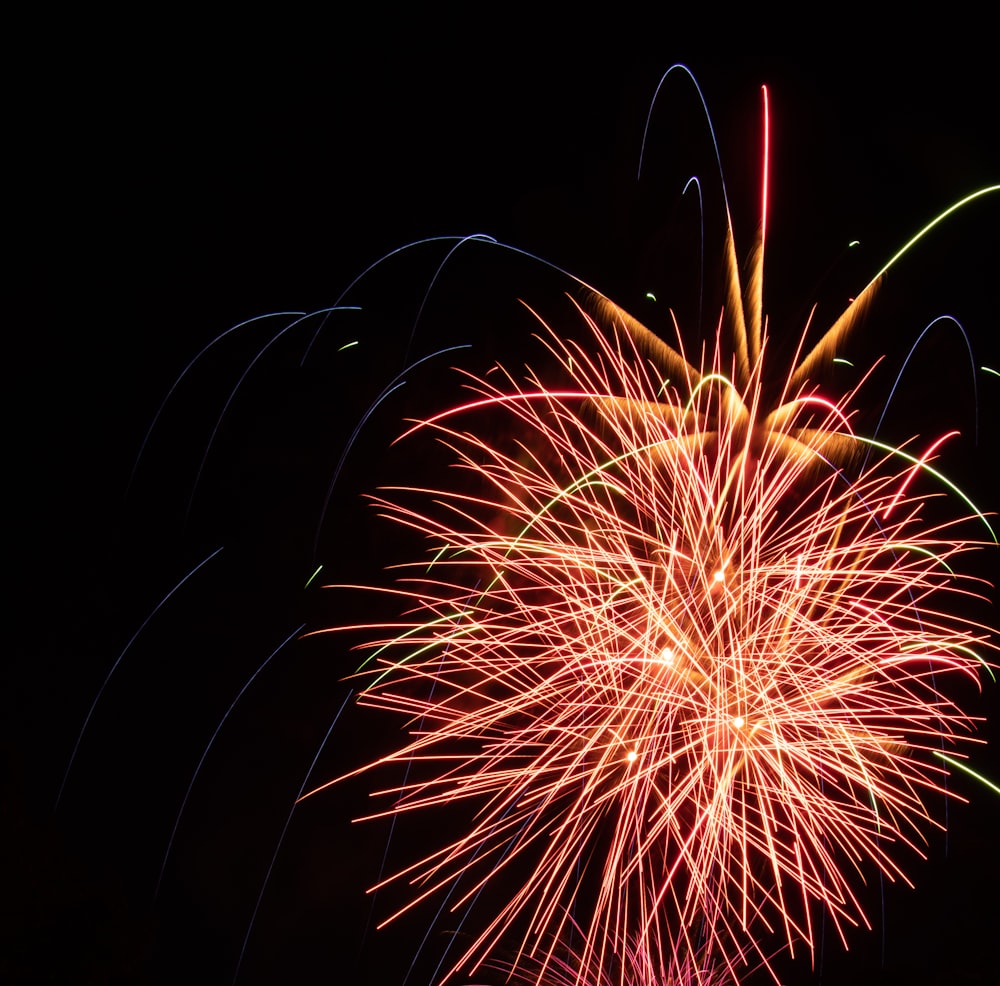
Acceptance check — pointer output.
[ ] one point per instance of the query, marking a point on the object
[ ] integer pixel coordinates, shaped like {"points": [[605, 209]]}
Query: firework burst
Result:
{"points": [[679, 666], [681, 650], [682, 658], [683, 688]]}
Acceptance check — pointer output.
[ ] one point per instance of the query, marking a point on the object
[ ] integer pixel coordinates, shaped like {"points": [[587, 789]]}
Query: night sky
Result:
{"points": [[192, 189]]}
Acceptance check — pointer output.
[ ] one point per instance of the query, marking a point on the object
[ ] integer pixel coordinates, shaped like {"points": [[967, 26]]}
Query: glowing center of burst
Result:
{"points": [[631, 756], [666, 656], [720, 576], [739, 722]]}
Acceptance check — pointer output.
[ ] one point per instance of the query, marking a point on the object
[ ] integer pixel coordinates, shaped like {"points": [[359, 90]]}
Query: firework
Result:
{"points": [[681, 657], [676, 663], [675, 681]]}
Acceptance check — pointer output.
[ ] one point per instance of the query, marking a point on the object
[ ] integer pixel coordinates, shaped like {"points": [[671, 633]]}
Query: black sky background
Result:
{"points": [[189, 186]]}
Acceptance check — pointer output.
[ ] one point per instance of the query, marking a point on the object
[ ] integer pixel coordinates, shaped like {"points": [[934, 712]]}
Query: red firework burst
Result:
{"points": [[682, 660], [717, 682]]}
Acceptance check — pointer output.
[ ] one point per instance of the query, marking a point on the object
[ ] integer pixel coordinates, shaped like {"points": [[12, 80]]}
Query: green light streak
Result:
{"points": [[705, 380], [934, 222], [578, 484], [311, 577], [842, 361], [410, 633], [938, 476], [989, 369], [442, 552], [874, 803], [975, 656], [968, 770], [919, 550], [920, 645], [347, 345]]}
